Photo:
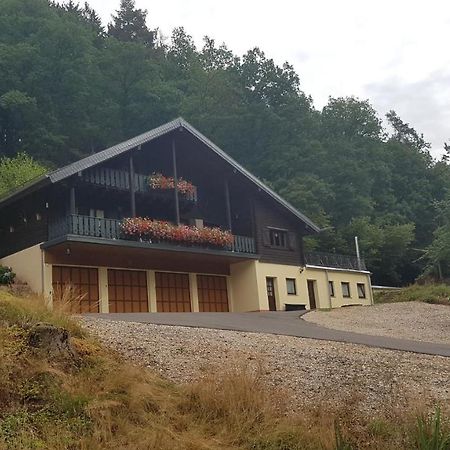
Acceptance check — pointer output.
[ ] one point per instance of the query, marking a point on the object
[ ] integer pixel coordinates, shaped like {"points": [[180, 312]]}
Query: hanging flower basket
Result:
{"points": [[159, 181], [142, 228]]}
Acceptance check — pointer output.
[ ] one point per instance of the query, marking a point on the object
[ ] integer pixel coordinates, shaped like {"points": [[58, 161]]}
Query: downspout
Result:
{"points": [[328, 288], [370, 288]]}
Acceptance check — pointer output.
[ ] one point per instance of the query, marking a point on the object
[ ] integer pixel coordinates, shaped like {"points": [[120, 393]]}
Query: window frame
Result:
{"points": [[331, 290], [363, 286], [294, 284], [347, 284], [283, 238]]}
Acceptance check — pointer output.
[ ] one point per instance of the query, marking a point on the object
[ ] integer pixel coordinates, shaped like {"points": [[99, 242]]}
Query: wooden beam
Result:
{"points": [[228, 204], [175, 182], [132, 192], [72, 203]]}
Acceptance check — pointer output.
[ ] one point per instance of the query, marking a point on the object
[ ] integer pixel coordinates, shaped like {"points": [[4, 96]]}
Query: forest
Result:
{"points": [[71, 86]]}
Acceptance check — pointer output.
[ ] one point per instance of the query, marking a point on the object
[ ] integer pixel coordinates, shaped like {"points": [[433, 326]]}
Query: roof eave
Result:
{"points": [[25, 189]]}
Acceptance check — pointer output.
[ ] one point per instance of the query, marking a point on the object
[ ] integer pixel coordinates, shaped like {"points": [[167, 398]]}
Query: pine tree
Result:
{"points": [[129, 25]]}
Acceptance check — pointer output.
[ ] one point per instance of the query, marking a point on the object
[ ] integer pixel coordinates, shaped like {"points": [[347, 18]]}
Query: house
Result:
{"points": [[167, 221]]}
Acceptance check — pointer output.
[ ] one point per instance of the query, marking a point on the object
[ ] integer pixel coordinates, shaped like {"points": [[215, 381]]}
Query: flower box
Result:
{"points": [[159, 181], [145, 229]]}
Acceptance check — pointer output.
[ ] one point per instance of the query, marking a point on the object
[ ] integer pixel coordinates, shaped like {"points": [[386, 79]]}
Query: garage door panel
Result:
{"points": [[83, 283], [172, 292], [212, 293], [124, 291]]}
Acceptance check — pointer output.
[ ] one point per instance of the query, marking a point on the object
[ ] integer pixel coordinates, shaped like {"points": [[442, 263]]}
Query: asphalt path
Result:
{"points": [[280, 323]]}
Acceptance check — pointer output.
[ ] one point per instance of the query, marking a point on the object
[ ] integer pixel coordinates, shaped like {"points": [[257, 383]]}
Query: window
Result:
{"points": [[278, 238], [361, 290], [331, 288], [345, 289], [290, 286]]}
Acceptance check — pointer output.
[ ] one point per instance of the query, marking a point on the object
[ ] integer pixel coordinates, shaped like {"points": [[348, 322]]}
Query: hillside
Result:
{"points": [[69, 86], [79, 395]]}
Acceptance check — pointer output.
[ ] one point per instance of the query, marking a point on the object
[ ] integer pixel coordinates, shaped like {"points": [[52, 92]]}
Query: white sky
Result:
{"points": [[393, 52]]}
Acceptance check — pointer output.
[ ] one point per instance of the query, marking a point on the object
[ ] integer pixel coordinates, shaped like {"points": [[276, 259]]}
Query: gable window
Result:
{"points": [[345, 289], [278, 238], [331, 288], [291, 286], [361, 290]]}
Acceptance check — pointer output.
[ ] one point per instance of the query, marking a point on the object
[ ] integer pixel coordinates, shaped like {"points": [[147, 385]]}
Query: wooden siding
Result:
{"points": [[266, 216], [97, 255]]}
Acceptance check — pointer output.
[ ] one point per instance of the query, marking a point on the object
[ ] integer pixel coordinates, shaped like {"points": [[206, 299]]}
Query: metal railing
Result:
{"points": [[120, 179], [110, 229], [334, 260]]}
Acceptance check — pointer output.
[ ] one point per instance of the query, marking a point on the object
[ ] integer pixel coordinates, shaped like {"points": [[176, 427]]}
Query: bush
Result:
{"points": [[6, 275]]}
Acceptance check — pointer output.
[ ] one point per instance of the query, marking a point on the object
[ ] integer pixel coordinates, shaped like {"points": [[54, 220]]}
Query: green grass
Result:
{"points": [[429, 293], [104, 402]]}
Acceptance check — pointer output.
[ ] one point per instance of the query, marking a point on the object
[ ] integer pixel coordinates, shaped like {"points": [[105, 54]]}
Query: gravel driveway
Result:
{"points": [[307, 370], [409, 320]]}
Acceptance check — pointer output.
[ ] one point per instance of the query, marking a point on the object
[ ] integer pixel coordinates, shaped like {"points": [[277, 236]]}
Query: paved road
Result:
{"points": [[283, 323]]}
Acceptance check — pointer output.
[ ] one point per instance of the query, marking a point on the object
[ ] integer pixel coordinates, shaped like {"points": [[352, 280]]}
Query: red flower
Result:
{"points": [[157, 230], [159, 181]]}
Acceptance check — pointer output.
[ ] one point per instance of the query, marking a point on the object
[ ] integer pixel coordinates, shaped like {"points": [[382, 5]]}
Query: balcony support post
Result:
{"points": [[132, 191], [72, 203], [175, 182], [228, 205]]}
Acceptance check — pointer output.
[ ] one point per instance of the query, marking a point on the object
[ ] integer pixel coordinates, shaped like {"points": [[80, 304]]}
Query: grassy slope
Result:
{"points": [[104, 402], [428, 293]]}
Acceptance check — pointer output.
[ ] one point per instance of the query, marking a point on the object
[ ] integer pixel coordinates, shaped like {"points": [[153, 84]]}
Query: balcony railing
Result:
{"points": [[120, 179], [335, 260], [110, 229]]}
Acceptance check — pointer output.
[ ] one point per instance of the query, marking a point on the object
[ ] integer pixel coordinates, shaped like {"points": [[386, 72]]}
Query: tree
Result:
{"points": [[15, 172], [129, 25], [405, 134]]}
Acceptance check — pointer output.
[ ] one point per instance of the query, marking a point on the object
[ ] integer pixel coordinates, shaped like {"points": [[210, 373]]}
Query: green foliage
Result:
{"points": [[16, 171], [428, 293], [6, 275], [431, 433], [69, 88]]}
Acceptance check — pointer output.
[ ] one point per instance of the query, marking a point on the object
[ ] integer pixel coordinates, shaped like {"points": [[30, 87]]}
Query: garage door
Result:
{"points": [[212, 293], [172, 292], [127, 291], [83, 295]]}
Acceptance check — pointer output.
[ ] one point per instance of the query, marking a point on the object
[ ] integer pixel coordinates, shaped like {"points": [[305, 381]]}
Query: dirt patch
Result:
{"points": [[410, 320]]}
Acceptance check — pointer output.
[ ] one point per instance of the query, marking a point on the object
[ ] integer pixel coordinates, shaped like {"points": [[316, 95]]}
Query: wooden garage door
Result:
{"points": [[127, 291], [172, 292], [83, 293], [212, 293]]}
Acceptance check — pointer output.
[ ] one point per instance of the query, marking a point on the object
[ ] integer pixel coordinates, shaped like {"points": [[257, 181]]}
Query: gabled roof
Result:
{"points": [[116, 150]]}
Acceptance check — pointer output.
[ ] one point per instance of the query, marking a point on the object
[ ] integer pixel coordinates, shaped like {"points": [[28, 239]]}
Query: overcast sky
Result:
{"points": [[396, 53]]}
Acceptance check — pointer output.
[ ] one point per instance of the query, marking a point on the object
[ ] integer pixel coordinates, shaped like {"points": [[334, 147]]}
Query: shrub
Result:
{"points": [[6, 275]]}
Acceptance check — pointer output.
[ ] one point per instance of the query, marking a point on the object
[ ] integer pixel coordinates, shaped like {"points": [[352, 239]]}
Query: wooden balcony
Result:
{"points": [[109, 229], [335, 261], [120, 180]]}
